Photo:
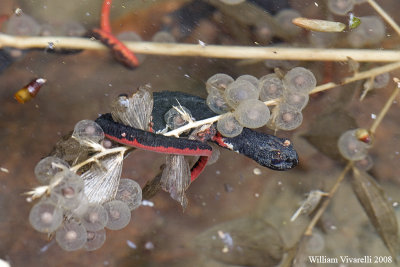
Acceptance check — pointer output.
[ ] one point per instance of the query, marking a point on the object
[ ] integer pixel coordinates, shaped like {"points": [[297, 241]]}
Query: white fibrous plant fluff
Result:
{"points": [[82, 191]]}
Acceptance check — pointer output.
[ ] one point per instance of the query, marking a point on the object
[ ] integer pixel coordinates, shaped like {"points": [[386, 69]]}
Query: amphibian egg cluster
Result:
{"points": [[67, 206], [241, 100]]}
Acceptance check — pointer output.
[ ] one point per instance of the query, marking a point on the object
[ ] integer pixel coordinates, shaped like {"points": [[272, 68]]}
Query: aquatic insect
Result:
{"points": [[267, 150], [30, 90]]}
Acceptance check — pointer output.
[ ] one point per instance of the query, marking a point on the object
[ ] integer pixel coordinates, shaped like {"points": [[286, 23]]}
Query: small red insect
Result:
{"points": [[29, 91]]}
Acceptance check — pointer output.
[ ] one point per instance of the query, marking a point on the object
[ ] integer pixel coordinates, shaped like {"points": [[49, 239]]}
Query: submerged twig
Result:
{"points": [[384, 15], [211, 51]]}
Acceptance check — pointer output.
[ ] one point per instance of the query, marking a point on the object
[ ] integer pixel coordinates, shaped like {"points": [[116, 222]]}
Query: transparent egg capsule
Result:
{"points": [[370, 32], [95, 218], [252, 113], [250, 78], [232, 2], [134, 37], [68, 189], [284, 19], [239, 91], [296, 100], [163, 37], [217, 103], [228, 126], [270, 86], [364, 164], [287, 118], [88, 130], [71, 236], [119, 214], [95, 239], [219, 81], [350, 147], [177, 117], [48, 167], [129, 192], [22, 25], [299, 80], [381, 80], [340, 7], [45, 216]]}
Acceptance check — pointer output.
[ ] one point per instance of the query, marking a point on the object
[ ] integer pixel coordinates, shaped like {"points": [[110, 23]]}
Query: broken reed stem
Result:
{"points": [[325, 203], [384, 15], [210, 51], [385, 108], [358, 76]]}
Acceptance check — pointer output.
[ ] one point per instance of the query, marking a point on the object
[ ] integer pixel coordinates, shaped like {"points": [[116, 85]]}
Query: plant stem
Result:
{"points": [[327, 200], [211, 51], [385, 109], [384, 15]]}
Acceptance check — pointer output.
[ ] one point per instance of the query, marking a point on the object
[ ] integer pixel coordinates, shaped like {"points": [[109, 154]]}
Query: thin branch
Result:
{"points": [[211, 51], [385, 109], [358, 76], [385, 16], [326, 202]]}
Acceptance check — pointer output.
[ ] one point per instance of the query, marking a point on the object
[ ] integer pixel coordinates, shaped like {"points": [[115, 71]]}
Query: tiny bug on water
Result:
{"points": [[30, 90]]}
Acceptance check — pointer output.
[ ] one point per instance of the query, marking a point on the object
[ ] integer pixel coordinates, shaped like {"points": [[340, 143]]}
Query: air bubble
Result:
{"points": [[68, 191], [71, 236], [216, 102], [350, 147], [270, 86], [119, 214], [219, 81], [250, 78], [45, 217], [47, 168], [288, 118], [299, 80], [340, 7], [239, 91], [129, 192], [228, 126], [252, 113], [175, 119], [95, 218], [95, 240], [88, 130], [297, 101], [22, 25]]}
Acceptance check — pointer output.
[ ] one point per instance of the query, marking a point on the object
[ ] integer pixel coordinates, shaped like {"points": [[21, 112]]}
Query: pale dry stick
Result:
{"points": [[385, 109], [384, 15], [325, 203], [209, 51], [335, 187], [320, 88]]}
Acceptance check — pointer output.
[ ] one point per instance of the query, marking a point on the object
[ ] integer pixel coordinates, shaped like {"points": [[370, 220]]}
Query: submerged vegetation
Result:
{"points": [[281, 74]]}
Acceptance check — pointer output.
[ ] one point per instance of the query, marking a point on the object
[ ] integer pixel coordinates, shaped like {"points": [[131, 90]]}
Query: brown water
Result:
{"points": [[81, 86]]}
